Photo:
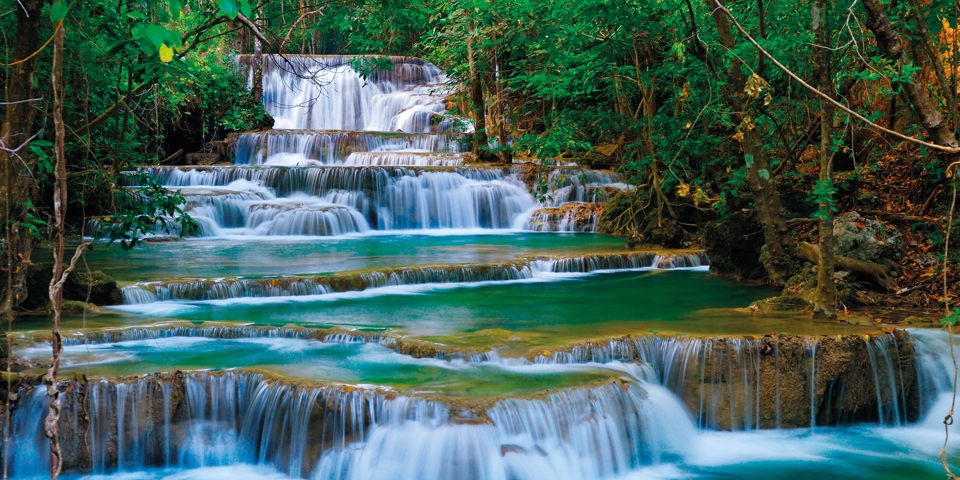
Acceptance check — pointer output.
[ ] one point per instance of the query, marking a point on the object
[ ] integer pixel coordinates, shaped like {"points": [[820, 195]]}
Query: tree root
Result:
{"points": [[878, 273]]}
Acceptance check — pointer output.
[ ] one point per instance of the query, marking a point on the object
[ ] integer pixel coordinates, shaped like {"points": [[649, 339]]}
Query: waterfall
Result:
{"points": [[811, 350], [350, 154], [195, 420], [580, 433], [328, 93], [30, 457]]}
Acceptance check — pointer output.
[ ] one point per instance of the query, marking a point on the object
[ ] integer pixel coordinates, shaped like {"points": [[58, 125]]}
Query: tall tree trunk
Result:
{"points": [[891, 44], [51, 425], [257, 63], [17, 186], [480, 143], [777, 260], [825, 299]]}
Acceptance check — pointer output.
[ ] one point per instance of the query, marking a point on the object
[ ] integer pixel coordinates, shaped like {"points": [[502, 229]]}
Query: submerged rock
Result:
{"points": [[781, 304]]}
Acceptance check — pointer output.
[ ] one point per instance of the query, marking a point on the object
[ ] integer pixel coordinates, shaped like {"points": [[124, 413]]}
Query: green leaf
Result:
{"points": [[176, 6], [245, 8], [155, 34], [58, 11], [763, 173], [228, 8], [748, 159]]}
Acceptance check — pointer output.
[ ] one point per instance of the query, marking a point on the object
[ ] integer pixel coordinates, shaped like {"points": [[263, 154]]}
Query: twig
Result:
{"points": [[828, 98]]}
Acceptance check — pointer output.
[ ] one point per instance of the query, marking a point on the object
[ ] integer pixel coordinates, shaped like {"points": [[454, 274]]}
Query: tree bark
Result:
{"points": [[825, 298], [17, 183], [480, 142], [51, 424], [777, 261], [257, 64], [891, 44]]}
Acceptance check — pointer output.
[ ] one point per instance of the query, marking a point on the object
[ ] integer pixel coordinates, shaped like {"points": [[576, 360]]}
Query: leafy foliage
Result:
{"points": [[148, 210]]}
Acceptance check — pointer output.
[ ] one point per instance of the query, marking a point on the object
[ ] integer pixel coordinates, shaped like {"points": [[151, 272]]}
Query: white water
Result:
{"points": [[239, 424]]}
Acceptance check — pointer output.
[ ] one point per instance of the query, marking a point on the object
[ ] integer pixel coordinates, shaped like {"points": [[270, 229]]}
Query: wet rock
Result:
{"points": [[569, 217], [766, 382]]}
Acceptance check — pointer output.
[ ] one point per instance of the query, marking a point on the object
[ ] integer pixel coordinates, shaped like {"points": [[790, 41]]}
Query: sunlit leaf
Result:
{"points": [[166, 53]]}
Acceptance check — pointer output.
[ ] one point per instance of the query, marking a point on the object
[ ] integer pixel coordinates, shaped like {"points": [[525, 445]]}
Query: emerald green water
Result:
{"points": [[305, 256], [515, 318], [317, 362]]}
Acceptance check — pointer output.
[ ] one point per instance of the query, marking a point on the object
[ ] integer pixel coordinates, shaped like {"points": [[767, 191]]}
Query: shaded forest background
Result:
{"points": [[710, 109]]}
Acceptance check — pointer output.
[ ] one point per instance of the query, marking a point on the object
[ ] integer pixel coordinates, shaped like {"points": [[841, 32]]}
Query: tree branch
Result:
{"points": [[952, 150]]}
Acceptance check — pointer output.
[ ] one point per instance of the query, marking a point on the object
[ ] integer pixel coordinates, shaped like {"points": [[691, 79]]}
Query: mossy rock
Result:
{"points": [[782, 304], [102, 288], [78, 307]]}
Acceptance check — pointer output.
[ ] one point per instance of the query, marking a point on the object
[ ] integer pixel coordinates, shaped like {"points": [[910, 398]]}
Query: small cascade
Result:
{"points": [[580, 433], [571, 217], [888, 373], [629, 261], [299, 216], [934, 364], [227, 288], [221, 289], [310, 148], [30, 457], [170, 331], [203, 420], [341, 200], [811, 353], [404, 159], [128, 424]]}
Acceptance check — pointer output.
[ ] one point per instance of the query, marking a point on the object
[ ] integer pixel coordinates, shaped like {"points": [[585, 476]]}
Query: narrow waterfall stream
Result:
{"points": [[364, 302]]}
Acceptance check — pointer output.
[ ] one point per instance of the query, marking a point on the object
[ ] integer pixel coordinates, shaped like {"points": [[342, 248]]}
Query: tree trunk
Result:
{"points": [[257, 66], [51, 424], [825, 298], [777, 260], [480, 143], [891, 44], [17, 186]]}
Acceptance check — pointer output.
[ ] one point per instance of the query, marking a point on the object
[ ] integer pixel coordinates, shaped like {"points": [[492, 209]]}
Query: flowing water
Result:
{"points": [[364, 303]]}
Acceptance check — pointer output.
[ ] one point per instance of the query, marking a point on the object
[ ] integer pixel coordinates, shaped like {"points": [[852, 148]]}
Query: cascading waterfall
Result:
{"points": [[349, 145], [203, 419], [327, 93]]}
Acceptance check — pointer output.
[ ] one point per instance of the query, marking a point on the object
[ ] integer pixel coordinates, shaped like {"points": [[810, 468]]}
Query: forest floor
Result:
{"points": [[899, 191]]}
